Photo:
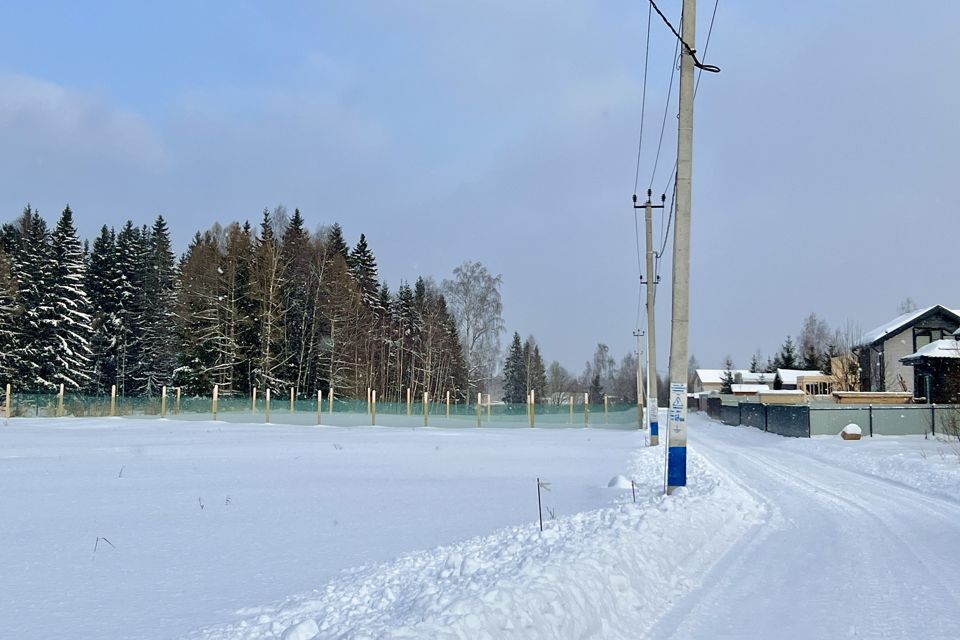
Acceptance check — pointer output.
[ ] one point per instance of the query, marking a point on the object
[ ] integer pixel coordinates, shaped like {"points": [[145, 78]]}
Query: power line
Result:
{"points": [[673, 173], [666, 109], [643, 101], [692, 52]]}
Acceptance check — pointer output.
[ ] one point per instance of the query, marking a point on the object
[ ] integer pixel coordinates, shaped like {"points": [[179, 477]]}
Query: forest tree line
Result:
{"points": [[273, 306]]}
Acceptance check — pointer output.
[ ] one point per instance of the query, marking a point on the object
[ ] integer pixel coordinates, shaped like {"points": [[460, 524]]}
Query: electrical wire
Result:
{"points": [[691, 52], [643, 100], [673, 173]]}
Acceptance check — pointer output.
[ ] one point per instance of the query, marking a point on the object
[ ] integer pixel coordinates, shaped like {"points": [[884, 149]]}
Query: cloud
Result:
{"points": [[47, 125]]}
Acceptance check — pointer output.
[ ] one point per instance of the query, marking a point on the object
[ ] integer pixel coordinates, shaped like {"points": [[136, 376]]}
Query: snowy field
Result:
{"points": [[284, 509], [328, 532]]}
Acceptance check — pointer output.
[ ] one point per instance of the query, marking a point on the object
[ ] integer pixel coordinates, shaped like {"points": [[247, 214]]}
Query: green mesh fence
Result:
{"points": [[345, 412]]}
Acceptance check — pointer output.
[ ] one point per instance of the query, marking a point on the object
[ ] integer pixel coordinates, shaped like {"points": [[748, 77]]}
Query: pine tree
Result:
{"points": [[596, 389], [363, 267], [131, 257], [158, 358], [728, 378], [72, 354], [103, 277], [9, 319], [28, 243], [335, 242], [537, 373], [787, 358], [514, 373]]}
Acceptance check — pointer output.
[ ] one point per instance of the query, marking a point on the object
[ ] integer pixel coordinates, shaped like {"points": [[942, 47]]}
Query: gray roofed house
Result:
{"points": [[881, 350]]}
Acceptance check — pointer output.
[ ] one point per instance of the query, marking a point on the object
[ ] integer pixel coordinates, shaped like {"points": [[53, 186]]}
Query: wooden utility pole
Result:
{"points": [[651, 282], [677, 421]]}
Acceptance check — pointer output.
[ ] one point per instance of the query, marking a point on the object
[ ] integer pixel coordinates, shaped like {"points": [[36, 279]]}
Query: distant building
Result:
{"points": [[880, 352], [710, 380], [749, 389], [936, 371], [814, 383]]}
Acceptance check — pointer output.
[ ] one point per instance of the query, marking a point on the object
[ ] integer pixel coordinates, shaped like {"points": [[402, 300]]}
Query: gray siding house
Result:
{"points": [[880, 351]]}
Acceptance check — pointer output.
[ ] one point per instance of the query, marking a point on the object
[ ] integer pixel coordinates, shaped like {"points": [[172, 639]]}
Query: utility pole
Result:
{"points": [[640, 421], [677, 422], [651, 281]]}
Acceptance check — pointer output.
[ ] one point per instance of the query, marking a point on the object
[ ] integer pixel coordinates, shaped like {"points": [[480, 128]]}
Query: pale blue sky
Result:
{"points": [[506, 132]]}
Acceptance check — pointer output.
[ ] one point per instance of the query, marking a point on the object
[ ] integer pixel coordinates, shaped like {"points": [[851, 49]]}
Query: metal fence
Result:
{"points": [[805, 420], [343, 412]]}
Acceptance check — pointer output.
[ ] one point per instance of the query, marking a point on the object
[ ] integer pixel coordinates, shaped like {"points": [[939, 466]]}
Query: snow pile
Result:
{"points": [[853, 430], [619, 482], [602, 573]]}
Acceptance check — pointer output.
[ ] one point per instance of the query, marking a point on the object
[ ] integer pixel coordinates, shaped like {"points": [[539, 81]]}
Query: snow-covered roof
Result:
{"points": [[749, 388], [936, 349], [789, 376], [899, 323], [783, 392], [715, 376]]}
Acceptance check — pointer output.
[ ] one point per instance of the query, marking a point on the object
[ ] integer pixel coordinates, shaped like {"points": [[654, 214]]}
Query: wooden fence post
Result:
{"points": [[448, 404], [479, 404], [533, 408], [253, 400], [267, 406], [426, 408], [488, 406], [586, 408], [330, 394], [319, 404], [373, 413], [7, 408], [60, 402], [369, 406], [178, 400], [408, 401], [571, 408], [163, 401], [113, 400], [291, 401], [606, 399], [216, 395]]}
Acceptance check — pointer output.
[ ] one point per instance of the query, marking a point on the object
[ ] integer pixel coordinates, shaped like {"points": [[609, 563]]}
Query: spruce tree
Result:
{"points": [[28, 243], [537, 374], [131, 257], [72, 354], [9, 320], [158, 357], [514, 373], [363, 267], [787, 358], [335, 242], [596, 389], [728, 379], [103, 278]]}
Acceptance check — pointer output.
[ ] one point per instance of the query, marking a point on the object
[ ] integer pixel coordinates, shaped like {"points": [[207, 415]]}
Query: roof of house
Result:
{"points": [[715, 376], [749, 388], [900, 322], [937, 349], [789, 376]]}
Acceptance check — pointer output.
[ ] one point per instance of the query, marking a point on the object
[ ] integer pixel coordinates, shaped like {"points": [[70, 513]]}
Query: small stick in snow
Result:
{"points": [[201, 503], [97, 543], [122, 467], [633, 490], [546, 487]]}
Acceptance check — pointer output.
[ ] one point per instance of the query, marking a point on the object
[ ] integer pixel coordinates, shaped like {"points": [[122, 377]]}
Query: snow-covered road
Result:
{"points": [[843, 554]]}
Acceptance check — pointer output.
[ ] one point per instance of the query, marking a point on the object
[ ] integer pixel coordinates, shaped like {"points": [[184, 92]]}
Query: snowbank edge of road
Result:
{"points": [[611, 572]]}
